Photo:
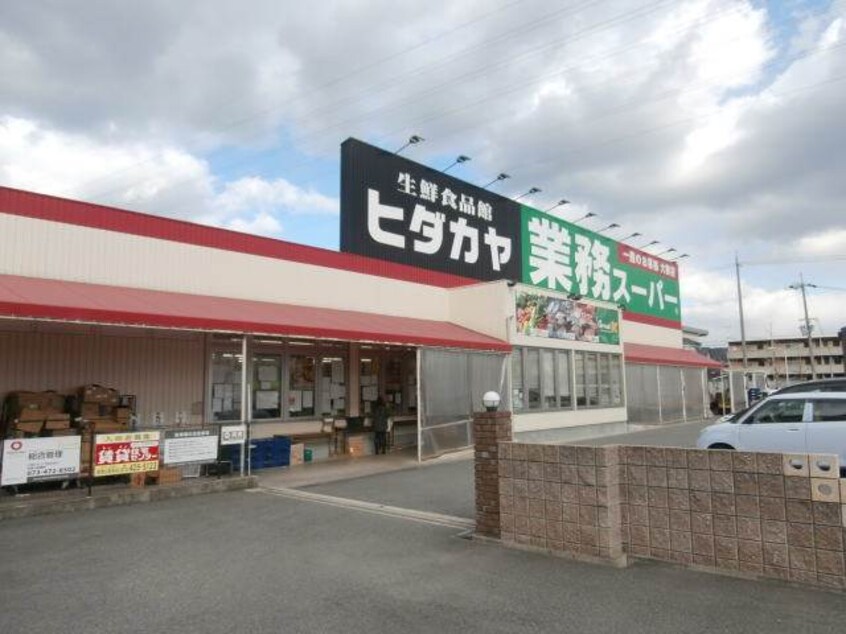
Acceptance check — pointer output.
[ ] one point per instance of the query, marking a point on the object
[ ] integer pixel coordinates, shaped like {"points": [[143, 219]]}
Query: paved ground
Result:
{"points": [[441, 488], [254, 562], [681, 435]]}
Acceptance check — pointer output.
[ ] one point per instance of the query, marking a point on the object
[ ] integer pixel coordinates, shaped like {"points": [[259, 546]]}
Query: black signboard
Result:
{"points": [[398, 210]]}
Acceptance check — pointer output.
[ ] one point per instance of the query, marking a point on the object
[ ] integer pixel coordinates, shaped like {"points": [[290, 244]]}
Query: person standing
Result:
{"points": [[380, 426]]}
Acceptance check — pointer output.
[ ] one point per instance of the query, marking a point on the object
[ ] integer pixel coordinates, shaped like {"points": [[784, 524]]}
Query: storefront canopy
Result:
{"points": [[659, 355], [36, 298]]}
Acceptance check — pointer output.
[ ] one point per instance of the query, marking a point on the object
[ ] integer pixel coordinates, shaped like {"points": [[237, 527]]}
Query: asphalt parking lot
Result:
{"points": [[255, 562]]}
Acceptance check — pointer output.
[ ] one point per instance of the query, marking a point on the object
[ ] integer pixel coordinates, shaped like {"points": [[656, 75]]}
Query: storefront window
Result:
{"points": [[301, 386], [616, 380], [581, 394], [393, 383], [369, 383], [604, 380], [544, 378], [226, 386], [548, 378], [533, 379], [333, 386], [517, 378], [562, 378], [592, 379], [267, 386]]}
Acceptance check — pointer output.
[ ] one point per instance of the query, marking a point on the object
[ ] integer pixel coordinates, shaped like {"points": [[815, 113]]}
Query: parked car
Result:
{"points": [[818, 385], [804, 422]]}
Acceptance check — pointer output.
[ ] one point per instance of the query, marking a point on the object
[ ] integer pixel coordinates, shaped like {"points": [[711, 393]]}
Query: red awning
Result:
{"points": [[659, 355], [36, 298]]}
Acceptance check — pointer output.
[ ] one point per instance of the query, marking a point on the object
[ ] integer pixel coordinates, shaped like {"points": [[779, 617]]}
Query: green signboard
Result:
{"points": [[540, 315], [561, 256]]}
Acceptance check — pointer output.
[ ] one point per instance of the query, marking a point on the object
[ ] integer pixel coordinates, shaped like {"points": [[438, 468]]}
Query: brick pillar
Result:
{"points": [[489, 429]]}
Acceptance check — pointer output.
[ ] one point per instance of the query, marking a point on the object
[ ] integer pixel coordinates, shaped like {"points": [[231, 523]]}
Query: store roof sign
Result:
{"points": [[565, 257], [395, 209]]}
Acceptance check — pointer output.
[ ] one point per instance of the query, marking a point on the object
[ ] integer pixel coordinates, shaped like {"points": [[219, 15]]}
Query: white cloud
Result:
{"points": [[710, 300], [151, 178], [258, 193], [262, 224]]}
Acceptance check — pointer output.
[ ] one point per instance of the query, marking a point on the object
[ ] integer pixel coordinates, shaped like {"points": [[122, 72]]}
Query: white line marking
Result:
{"points": [[424, 517]]}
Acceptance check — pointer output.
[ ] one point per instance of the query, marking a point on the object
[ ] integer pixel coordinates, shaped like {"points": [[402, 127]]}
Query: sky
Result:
{"points": [[713, 126]]}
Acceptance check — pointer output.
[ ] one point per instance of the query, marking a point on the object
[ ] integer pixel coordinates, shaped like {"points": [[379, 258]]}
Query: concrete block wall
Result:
{"points": [[764, 514], [562, 498]]}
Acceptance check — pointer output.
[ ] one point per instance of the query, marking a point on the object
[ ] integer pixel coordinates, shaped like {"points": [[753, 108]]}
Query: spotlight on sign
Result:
{"points": [[589, 214], [414, 139], [560, 203], [500, 177], [613, 225], [532, 191], [458, 161]]}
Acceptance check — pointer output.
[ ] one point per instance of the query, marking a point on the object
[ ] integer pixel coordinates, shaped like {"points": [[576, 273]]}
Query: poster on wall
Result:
{"points": [[28, 460], [398, 210], [118, 454], [540, 315], [190, 446]]}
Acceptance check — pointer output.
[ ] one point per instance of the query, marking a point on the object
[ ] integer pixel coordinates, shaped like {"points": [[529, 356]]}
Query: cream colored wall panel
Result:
{"points": [[483, 308], [646, 334], [83, 254], [562, 344], [165, 373], [555, 420]]}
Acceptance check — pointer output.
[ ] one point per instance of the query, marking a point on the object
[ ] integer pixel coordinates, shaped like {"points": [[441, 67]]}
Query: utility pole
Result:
{"points": [[801, 287], [740, 309]]}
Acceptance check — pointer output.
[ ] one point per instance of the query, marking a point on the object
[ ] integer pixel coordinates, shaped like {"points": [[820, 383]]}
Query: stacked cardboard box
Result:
{"points": [[100, 413], [100, 409], [297, 453], [31, 413], [165, 475]]}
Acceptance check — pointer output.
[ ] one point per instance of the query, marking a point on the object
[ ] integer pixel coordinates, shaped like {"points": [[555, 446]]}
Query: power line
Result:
{"points": [[345, 76], [388, 107], [615, 21]]}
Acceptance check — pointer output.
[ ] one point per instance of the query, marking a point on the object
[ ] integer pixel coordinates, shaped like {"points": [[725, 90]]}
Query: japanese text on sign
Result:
{"points": [[427, 229], [561, 256], [39, 459], [116, 454]]}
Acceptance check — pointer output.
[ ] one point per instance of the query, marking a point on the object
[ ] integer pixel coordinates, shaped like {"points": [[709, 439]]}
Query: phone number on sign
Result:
{"points": [[126, 467]]}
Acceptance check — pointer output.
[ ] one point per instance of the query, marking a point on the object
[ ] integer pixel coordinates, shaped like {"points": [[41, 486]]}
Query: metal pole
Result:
{"points": [[786, 368], [419, 409], [808, 327], [740, 309], [246, 446]]}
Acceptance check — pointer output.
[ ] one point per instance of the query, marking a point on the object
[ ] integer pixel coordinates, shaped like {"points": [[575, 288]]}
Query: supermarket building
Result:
{"points": [[205, 325]]}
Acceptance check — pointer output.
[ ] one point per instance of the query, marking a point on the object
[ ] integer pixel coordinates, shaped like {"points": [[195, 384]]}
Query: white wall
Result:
{"points": [[555, 420], [41, 248], [484, 307], [634, 332]]}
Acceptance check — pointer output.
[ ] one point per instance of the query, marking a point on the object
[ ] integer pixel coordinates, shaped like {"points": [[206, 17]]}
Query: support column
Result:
{"points": [[489, 429]]}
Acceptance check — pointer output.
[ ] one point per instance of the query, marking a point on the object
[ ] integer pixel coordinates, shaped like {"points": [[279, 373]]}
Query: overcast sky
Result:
{"points": [[713, 126]]}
